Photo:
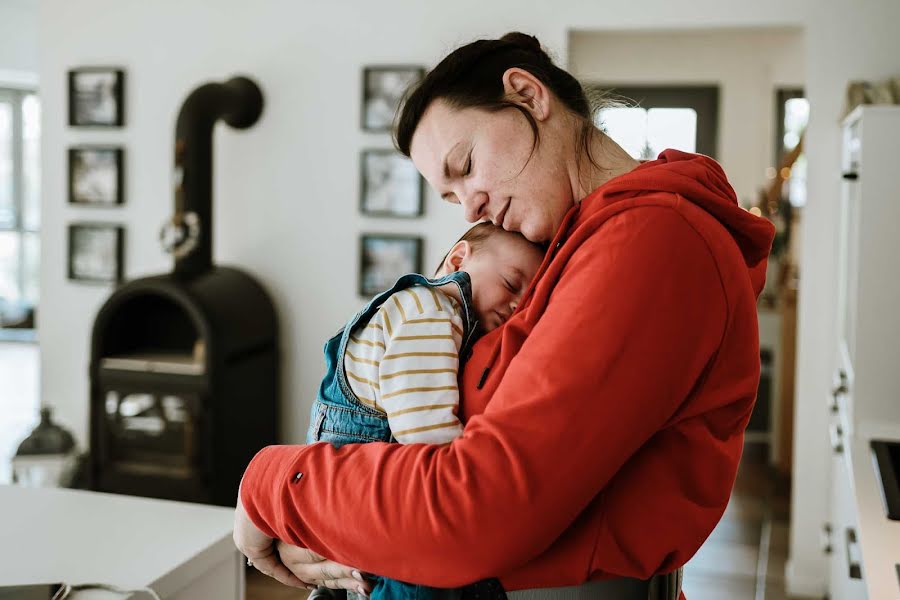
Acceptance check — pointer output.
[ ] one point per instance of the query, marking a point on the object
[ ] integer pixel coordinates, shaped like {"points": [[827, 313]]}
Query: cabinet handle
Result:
{"points": [[851, 176], [825, 538], [840, 388], [836, 434], [854, 560]]}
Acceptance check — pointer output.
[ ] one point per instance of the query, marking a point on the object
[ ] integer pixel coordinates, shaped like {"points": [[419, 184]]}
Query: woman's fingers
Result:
{"points": [[259, 549], [274, 568], [308, 566], [330, 577]]}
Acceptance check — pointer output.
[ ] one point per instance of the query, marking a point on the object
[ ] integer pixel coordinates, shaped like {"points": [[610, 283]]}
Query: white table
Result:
{"points": [[183, 551]]}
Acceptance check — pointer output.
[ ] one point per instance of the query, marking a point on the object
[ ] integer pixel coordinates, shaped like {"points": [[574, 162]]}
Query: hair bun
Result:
{"points": [[524, 41]]}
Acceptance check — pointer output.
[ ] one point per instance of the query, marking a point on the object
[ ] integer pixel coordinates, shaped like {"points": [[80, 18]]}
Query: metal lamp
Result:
{"points": [[47, 457]]}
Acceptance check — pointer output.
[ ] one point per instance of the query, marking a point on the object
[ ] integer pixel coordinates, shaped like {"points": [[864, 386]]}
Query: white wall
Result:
{"points": [[18, 360], [18, 36], [748, 65], [287, 189]]}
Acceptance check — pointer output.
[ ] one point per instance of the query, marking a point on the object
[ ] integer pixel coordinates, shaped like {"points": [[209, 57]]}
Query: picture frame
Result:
{"points": [[390, 185], [384, 258], [96, 97], [96, 175], [96, 252], [383, 88]]}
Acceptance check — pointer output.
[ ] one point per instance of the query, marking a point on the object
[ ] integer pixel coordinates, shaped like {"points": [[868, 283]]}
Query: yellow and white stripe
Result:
{"points": [[404, 362]]}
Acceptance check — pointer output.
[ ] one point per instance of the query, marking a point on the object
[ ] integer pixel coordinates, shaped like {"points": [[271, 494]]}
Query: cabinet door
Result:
{"points": [[845, 567], [848, 269]]}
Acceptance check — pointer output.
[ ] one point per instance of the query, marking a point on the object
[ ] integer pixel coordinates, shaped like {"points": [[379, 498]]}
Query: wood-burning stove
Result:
{"points": [[184, 365]]}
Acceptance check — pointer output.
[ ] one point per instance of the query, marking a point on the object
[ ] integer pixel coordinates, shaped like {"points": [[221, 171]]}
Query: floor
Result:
{"points": [[743, 559]]}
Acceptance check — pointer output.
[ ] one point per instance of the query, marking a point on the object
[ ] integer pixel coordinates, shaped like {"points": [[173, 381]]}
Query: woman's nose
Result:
{"points": [[475, 205]]}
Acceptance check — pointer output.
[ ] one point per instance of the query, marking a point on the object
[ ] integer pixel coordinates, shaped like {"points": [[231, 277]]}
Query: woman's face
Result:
{"points": [[480, 159]]}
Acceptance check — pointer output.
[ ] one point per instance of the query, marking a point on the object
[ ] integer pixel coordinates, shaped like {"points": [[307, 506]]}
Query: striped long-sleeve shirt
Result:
{"points": [[404, 363]]}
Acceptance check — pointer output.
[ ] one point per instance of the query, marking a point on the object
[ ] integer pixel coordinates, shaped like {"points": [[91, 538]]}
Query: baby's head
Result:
{"points": [[500, 264]]}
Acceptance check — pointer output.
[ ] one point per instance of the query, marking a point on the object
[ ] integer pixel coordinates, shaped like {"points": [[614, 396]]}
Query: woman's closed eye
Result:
{"points": [[465, 172]]}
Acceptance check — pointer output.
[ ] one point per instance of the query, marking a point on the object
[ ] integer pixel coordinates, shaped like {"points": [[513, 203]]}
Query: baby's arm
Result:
{"points": [[417, 375]]}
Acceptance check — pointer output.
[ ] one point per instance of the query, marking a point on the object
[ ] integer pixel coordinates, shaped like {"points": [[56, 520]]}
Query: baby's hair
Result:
{"points": [[476, 236]]}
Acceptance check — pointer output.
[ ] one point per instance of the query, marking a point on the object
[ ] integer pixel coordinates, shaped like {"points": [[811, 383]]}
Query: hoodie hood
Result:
{"points": [[696, 178], [701, 181]]}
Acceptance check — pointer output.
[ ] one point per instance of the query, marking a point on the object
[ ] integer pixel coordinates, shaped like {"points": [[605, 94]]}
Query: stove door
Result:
{"points": [[151, 444]]}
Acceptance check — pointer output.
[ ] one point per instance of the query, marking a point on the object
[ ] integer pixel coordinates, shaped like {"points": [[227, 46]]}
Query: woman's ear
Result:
{"points": [[525, 89], [457, 256]]}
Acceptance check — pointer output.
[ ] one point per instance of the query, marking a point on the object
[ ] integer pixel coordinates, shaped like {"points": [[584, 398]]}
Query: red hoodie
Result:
{"points": [[606, 436]]}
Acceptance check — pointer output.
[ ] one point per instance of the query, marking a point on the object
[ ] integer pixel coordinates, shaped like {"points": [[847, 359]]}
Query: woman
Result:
{"points": [[604, 421]]}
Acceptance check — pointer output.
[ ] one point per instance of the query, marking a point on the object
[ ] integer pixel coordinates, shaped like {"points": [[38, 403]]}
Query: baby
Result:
{"points": [[392, 370]]}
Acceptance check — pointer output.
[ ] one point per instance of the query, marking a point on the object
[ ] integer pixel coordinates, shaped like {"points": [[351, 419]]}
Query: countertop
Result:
{"points": [[58, 535]]}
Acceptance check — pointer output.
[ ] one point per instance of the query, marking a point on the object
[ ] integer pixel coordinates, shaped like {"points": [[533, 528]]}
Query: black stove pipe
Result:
{"points": [[238, 102]]}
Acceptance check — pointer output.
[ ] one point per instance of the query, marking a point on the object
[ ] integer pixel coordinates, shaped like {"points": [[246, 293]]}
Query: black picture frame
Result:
{"points": [[375, 278], [96, 97], [383, 87], [389, 185], [110, 248], [88, 163]]}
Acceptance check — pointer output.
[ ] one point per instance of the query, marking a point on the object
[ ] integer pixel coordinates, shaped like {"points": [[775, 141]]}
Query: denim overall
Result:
{"points": [[338, 417]]}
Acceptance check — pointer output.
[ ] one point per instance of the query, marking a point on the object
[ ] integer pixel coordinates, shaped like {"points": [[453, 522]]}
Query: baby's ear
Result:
{"points": [[457, 256]]}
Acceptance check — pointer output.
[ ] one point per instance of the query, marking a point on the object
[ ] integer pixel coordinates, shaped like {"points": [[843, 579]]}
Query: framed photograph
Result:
{"points": [[383, 87], [96, 175], [96, 97], [384, 258], [95, 252], [390, 185]]}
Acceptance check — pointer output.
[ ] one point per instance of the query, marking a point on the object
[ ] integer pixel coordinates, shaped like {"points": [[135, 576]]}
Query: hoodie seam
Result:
{"points": [[715, 261]]}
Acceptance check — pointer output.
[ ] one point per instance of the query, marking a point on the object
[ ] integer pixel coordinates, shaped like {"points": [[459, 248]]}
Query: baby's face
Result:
{"points": [[500, 269]]}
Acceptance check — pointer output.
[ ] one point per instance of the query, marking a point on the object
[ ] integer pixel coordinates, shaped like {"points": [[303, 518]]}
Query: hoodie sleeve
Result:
{"points": [[630, 326]]}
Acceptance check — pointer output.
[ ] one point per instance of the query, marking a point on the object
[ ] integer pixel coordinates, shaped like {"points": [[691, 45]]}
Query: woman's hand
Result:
{"points": [[260, 549], [306, 565]]}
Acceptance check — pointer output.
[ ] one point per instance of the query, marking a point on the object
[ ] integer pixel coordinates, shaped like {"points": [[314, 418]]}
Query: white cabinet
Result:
{"points": [[865, 401], [869, 265], [845, 564]]}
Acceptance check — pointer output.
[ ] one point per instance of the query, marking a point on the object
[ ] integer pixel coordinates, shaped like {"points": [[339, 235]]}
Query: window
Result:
{"points": [[20, 217], [656, 118], [793, 115]]}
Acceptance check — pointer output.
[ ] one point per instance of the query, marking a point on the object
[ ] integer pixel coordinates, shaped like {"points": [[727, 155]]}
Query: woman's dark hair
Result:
{"points": [[472, 77]]}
